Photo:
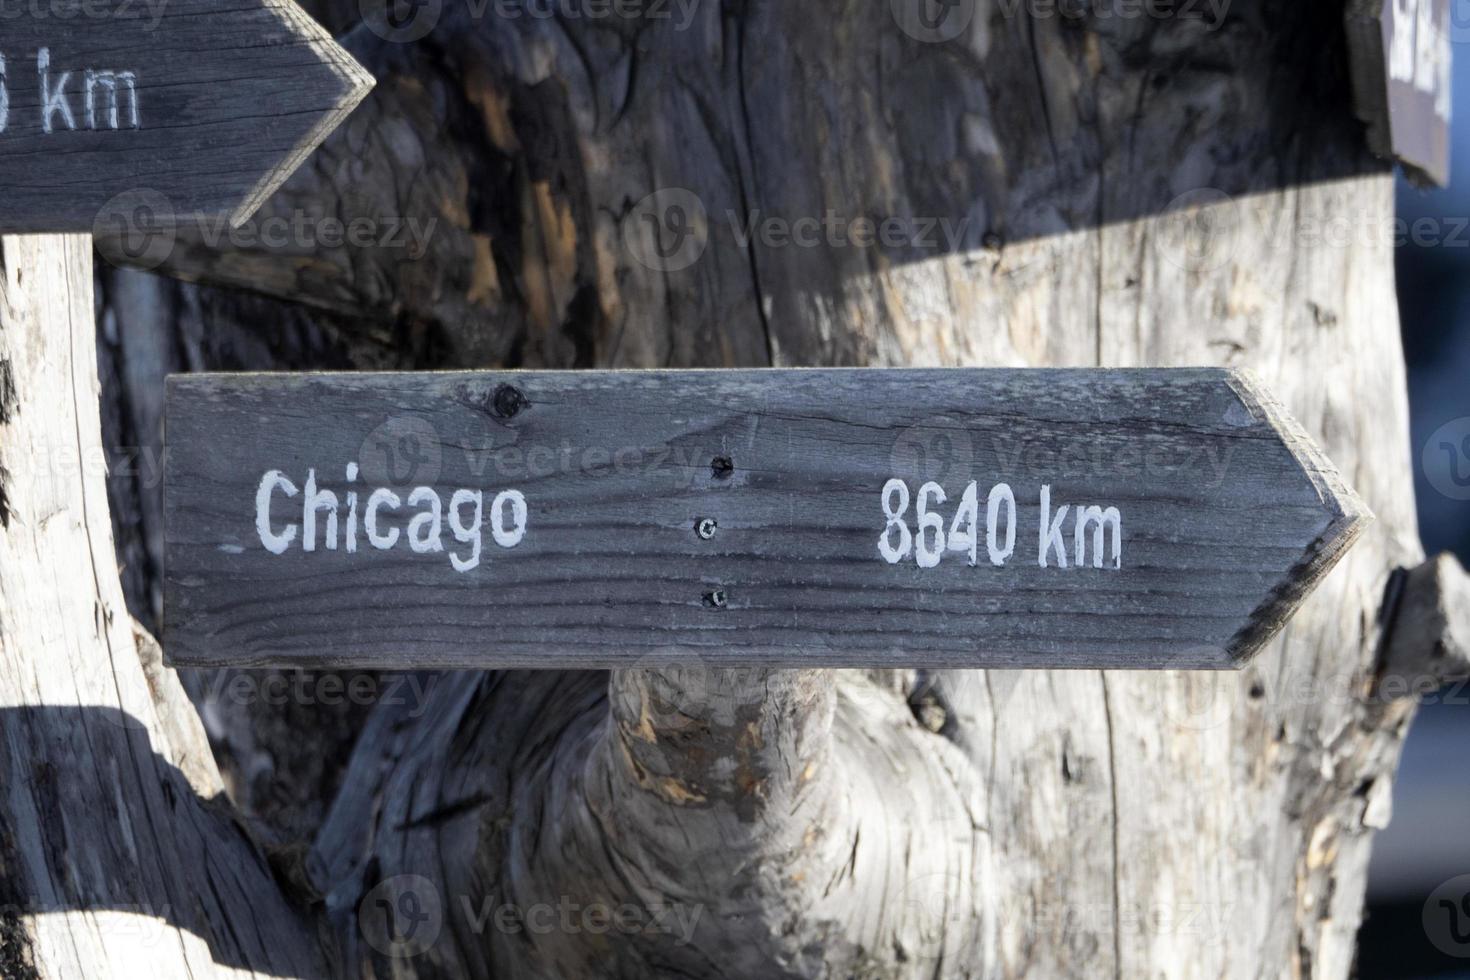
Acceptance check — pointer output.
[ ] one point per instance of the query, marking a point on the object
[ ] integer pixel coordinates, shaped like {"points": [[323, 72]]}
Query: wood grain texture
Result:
{"points": [[1429, 642], [144, 116], [1228, 516], [1401, 56], [1151, 823], [118, 852]]}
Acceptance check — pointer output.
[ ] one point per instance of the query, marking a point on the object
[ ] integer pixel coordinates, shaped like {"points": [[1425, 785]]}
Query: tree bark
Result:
{"points": [[1120, 192]]}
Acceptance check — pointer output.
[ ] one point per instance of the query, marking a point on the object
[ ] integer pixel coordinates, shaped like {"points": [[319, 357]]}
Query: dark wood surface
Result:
{"points": [[1228, 516], [198, 108], [1402, 55]]}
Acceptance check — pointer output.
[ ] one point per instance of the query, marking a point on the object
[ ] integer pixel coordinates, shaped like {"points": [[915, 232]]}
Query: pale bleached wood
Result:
{"points": [[115, 857]]}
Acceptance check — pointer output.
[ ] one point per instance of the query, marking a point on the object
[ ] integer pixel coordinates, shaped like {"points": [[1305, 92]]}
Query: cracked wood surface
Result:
{"points": [[116, 849]]}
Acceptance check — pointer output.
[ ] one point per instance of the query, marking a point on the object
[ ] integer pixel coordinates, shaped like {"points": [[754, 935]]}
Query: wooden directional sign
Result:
{"points": [[1401, 55], [143, 111], [1006, 518]]}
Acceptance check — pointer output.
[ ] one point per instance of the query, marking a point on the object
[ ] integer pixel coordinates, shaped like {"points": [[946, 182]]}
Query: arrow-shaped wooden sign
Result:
{"points": [[974, 518], [176, 108]]}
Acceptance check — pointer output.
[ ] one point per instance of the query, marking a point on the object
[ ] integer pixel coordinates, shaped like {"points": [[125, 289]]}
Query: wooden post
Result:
{"points": [[111, 853], [115, 856]]}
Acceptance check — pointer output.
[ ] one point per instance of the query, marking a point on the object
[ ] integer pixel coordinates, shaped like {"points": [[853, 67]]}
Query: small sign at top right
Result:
{"points": [[1402, 81]]}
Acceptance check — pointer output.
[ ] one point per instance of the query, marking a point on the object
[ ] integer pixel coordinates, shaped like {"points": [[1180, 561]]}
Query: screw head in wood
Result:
{"points": [[716, 599], [705, 527]]}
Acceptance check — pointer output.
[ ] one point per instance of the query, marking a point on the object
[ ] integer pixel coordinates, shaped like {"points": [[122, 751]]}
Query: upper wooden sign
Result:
{"points": [[1000, 518], [176, 108], [1402, 61]]}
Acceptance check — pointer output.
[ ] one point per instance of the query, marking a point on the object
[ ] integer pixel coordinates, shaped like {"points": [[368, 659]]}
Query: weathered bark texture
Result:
{"points": [[113, 850], [1123, 192]]}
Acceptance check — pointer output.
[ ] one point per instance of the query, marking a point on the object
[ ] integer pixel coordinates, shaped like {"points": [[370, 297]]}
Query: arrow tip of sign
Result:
{"points": [[353, 82], [1347, 517]]}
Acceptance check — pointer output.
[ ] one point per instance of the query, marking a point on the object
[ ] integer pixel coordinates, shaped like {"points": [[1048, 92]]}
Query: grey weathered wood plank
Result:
{"points": [[122, 116], [1401, 58], [1228, 516]]}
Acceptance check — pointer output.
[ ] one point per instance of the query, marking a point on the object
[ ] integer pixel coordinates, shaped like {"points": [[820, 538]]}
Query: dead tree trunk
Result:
{"points": [[1117, 191]]}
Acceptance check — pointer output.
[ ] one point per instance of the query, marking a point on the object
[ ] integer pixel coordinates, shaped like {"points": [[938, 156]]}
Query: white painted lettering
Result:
{"points": [[508, 535], [1000, 494], [376, 500], [275, 543], [53, 101], [1099, 519], [318, 500], [109, 81], [383, 520], [1051, 531], [426, 530], [470, 533]]}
